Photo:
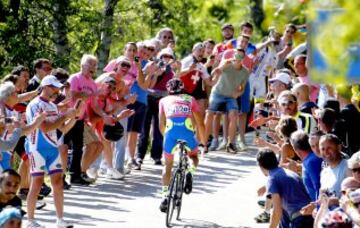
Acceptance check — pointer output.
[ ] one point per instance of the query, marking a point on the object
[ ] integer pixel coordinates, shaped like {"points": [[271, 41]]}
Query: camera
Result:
{"points": [[8, 120], [136, 59]]}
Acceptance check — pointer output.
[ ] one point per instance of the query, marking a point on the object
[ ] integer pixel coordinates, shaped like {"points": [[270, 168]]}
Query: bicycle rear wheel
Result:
{"points": [[180, 190], [172, 197]]}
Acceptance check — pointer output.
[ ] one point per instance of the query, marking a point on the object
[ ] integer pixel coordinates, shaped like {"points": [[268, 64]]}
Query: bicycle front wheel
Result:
{"points": [[172, 198]]}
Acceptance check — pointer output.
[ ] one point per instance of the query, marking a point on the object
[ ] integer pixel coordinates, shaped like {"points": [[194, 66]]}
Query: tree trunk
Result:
{"points": [[60, 8], [103, 50], [257, 13]]}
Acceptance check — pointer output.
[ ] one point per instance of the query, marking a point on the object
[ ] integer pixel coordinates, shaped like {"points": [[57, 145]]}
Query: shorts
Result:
{"points": [[90, 135], [45, 160], [136, 121], [217, 101], [244, 100], [20, 148], [179, 129], [5, 162]]}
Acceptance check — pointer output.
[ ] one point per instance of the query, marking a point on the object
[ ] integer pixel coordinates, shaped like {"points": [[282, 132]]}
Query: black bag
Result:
{"points": [[113, 132]]}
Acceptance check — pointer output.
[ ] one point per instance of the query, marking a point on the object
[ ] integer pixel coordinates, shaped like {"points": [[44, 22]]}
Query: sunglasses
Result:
{"points": [[125, 65], [290, 31], [167, 37], [356, 170], [287, 103], [151, 49], [46, 68]]}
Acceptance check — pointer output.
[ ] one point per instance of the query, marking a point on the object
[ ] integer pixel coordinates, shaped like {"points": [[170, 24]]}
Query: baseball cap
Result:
{"points": [[354, 161], [166, 51], [50, 80], [227, 25], [282, 77], [198, 45]]}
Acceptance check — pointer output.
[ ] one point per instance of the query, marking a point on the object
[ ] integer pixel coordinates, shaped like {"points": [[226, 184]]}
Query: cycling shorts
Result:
{"points": [[179, 128], [45, 160]]}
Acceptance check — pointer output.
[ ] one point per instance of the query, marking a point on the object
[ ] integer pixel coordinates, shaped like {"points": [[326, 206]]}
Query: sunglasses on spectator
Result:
{"points": [[283, 104], [151, 49], [167, 37], [125, 65], [356, 170], [290, 31], [46, 68]]}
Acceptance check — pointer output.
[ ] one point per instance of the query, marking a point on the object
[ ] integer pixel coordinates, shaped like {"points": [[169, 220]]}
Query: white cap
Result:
{"points": [[198, 45], [282, 77], [354, 161], [50, 80], [166, 51]]}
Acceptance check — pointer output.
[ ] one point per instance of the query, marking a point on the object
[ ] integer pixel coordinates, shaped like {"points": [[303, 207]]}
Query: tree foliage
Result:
{"points": [[62, 30]]}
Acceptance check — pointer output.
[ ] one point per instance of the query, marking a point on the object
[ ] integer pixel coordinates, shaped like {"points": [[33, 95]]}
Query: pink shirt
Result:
{"points": [[178, 106], [314, 88], [79, 83]]}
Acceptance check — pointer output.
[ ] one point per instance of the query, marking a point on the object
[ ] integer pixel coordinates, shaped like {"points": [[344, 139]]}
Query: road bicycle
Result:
{"points": [[177, 183]]}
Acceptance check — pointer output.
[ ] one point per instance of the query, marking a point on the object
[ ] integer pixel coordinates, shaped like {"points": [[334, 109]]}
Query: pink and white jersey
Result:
{"points": [[182, 105], [39, 140]]}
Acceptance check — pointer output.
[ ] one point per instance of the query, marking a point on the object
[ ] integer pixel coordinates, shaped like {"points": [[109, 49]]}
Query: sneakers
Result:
{"points": [[62, 224], [231, 148], [101, 172], [40, 205], [264, 217], [92, 173], [45, 190], [139, 161], [133, 165], [114, 174], [188, 183], [214, 144], [24, 192], [79, 181], [66, 185], [242, 146], [34, 224], [222, 145], [87, 178], [164, 205], [157, 162]]}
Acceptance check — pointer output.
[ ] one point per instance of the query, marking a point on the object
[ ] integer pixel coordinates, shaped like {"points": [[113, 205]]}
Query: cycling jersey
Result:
{"points": [[42, 147], [178, 110]]}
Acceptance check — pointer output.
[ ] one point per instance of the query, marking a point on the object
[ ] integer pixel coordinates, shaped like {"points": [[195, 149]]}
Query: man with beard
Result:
{"points": [[43, 149], [9, 185]]}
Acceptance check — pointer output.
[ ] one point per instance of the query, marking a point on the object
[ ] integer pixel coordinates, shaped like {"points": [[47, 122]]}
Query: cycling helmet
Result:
{"points": [[174, 86]]}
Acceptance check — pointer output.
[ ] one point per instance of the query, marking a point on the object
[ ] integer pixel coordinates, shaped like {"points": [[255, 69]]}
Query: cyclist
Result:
{"points": [[178, 112]]}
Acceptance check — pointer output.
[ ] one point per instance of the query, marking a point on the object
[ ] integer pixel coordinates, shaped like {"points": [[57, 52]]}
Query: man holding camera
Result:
{"points": [[230, 78]]}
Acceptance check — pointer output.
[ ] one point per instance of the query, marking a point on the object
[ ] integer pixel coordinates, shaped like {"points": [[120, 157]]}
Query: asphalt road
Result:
{"points": [[224, 195]]}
